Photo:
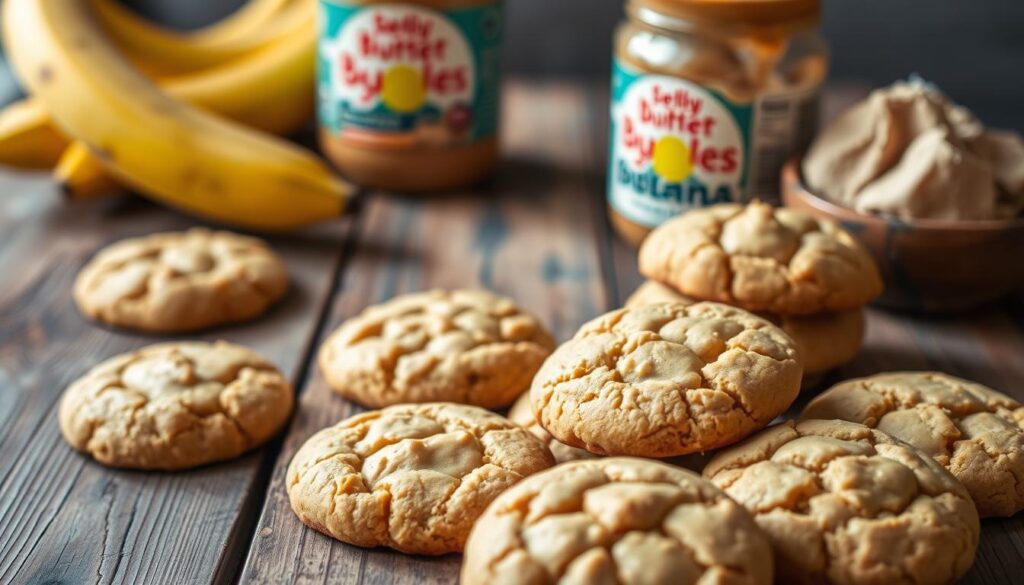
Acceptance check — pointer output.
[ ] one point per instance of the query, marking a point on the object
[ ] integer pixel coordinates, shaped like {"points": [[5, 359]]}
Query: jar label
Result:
{"points": [[675, 145], [401, 75]]}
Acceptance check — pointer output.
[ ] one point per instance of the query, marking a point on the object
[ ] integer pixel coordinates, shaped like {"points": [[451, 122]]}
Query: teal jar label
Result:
{"points": [[674, 145], [403, 75]]}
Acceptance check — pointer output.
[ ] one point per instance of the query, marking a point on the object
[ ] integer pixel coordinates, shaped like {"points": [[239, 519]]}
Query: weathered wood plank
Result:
{"points": [[531, 236], [64, 517]]}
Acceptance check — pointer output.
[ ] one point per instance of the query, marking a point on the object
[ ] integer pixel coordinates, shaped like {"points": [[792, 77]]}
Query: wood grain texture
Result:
{"points": [[65, 518], [531, 237]]}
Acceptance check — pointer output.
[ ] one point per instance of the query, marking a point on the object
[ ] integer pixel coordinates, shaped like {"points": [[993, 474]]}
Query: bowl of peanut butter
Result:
{"points": [[936, 196]]}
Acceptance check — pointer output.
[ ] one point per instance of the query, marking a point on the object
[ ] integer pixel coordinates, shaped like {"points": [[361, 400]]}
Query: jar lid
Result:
{"points": [[738, 12]]}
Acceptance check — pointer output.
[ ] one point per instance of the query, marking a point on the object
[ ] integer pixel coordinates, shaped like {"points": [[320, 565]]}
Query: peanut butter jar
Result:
{"points": [[408, 92], [709, 98]]}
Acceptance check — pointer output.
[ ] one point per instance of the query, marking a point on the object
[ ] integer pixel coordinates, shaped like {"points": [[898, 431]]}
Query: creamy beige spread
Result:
{"points": [[908, 151]]}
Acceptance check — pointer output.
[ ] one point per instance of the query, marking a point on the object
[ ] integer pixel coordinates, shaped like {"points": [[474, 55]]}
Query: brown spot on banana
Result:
{"points": [[103, 152], [45, 74]]}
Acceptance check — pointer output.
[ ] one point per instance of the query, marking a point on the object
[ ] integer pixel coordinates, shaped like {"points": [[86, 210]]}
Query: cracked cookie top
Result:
{"points": [[762, 259], [522, 414], [825, 340], [465, 346], [616, 521], [180, 281], [973, 431], [846, 504], [413, 477], [175, 406], [666, 379]]}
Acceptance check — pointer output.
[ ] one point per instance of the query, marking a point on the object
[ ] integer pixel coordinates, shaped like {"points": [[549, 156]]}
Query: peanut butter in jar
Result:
{"points": [[709, 99], [408, 92]]}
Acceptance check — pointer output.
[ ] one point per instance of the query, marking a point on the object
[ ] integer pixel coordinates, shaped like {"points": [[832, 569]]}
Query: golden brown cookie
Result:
{"points": [[666, 379], [762, 259], [180, 281], [651, 292], [413, 477], [175, 406], [522, 415], [973, 431], [826, 340], [846, 504], [465, 346], [617, 521]]}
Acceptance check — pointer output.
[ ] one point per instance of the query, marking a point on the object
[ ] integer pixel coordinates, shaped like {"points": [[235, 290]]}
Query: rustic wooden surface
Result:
{"points": [[537, 232]]}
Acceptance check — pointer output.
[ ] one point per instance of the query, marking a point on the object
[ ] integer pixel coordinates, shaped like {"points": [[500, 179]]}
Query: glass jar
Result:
{"points": [[408, 92], [709, 98]]}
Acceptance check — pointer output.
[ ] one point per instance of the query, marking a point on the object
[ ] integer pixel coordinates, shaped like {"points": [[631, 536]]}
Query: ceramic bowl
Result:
{"points": [[927, 265]]}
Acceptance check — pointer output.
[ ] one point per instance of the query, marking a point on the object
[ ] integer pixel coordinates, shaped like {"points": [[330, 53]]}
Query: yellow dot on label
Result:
{"points": [[402, 89], [672, 160]]}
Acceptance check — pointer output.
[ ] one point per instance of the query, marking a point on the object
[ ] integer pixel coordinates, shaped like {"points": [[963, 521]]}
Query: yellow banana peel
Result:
{"points": [[27, 140], [161, 51], [82, 177], [165, 149]]}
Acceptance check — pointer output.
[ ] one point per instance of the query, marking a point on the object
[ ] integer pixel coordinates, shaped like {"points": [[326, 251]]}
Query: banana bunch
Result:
{"points": [[184, 118]]}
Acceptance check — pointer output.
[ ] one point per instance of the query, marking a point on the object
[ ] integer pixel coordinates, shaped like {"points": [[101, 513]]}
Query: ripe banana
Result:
{"points": [[164, 148], [160, 51], [245, 21], [27, 141], [81, 176], [270, 89]]}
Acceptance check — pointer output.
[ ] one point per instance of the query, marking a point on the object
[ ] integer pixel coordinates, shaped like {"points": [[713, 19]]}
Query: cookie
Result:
{"points": [[465, 346], [666, 379], [175, 406], [413, 477], [973, 431], [651, 292], [522, 415], [843, 503], [826, 340], [761, 259], [180, 281], [618, 521]]}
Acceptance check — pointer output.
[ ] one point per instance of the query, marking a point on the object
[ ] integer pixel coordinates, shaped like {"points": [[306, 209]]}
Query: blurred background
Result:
{"points": [[973, 50]]}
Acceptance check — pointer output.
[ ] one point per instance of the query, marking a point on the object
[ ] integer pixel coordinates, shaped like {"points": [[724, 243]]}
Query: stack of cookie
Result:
{"points": [[808, 276]]}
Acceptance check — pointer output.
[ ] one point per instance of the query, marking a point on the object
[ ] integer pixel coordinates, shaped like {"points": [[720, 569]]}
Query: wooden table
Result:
{"points": [[538, 232]]}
